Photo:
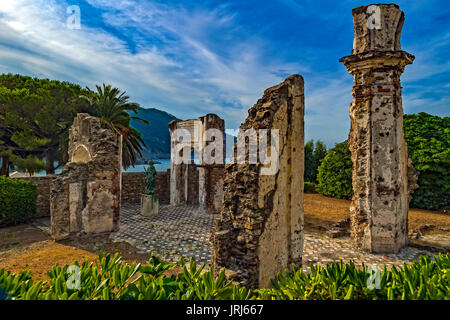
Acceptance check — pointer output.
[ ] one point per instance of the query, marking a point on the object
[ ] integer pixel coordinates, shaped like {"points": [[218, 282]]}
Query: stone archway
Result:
{"points": [[192, 183]]}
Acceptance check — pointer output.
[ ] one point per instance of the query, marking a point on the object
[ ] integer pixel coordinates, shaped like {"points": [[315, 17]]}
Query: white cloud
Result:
{"points": [[184, 76], [188, 62]]}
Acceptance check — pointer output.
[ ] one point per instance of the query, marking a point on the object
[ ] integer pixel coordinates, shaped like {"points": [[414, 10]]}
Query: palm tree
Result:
{"points": [[111, 107]]}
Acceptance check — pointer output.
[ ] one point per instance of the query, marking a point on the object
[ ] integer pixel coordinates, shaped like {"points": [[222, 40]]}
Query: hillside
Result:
{"points": [[156, 134]]}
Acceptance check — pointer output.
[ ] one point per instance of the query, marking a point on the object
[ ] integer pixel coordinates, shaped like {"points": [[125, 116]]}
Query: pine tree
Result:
{"points": [[35, 115]]}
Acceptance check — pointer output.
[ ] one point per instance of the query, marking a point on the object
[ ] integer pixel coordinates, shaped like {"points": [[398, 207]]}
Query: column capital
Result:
{"points": [[377, 59]]}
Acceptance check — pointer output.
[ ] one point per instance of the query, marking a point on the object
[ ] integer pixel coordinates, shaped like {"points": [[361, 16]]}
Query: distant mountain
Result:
{"points": [[156, 134]]}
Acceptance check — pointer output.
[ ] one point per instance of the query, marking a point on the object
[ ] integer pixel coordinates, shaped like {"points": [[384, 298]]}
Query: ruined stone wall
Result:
{"points": [[133, 186], [379, 209], [184, 184], [211, 188], [260, 228], [191, 181], [85, 197]]}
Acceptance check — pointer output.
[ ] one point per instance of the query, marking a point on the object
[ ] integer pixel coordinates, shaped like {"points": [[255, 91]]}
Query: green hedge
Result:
{"points": [[17, 201], [109, 278], [335, 173], [428, 139]]}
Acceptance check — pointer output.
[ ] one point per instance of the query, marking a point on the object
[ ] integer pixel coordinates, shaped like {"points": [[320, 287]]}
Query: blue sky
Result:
{"points": [[196, 57]]}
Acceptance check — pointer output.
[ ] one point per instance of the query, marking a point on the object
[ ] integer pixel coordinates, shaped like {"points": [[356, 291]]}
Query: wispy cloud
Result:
{"points": [[190, 59]]}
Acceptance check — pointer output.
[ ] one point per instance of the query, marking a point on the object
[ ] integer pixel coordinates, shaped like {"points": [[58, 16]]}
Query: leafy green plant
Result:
{"points": [[335, 173], [17, 201], [428, 140], [109, 278], [313, 157], [425, 279]]}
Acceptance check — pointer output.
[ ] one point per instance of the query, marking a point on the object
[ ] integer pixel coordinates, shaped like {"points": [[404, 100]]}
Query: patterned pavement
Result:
{"points": [[182, 231], [176, 231]]}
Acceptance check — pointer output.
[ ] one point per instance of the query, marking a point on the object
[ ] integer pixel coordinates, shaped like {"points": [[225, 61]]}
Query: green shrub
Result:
{"points": [[109, 278], [428, 139], [335, 173], [17, 201], [425, 279]]}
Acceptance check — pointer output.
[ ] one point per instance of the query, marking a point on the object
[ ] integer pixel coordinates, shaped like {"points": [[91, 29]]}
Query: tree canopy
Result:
{"points": [[35, 115], [112, 108], [428, 139], [335, 173], [313, 158]]}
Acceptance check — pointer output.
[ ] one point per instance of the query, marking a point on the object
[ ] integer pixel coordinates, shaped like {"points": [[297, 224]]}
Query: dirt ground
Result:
{"points": [[27, 247], [321, 212]]}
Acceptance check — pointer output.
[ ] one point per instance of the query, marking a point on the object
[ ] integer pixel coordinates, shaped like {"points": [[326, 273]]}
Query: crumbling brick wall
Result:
{"points": [[43, 185]]}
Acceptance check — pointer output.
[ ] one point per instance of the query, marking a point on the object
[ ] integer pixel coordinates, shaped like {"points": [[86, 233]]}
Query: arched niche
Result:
{"points": [[81, 154]]}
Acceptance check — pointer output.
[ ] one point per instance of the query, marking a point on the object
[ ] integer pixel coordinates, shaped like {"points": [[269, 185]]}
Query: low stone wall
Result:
{"points": [[133, 185], [162, 186]]}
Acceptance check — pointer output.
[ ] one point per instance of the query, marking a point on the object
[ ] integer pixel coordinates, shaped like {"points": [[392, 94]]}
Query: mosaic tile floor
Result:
{"points": [[176, 231], [183, 231]]}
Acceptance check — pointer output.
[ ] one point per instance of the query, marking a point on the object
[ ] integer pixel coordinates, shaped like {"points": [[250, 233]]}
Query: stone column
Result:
{"points": [[260, 228], [211, 174], [379, 209]]}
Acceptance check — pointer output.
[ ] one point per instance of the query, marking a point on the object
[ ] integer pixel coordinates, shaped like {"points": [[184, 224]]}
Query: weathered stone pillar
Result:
{"points": [[211, 174], [379, 209], [260, 228]]}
